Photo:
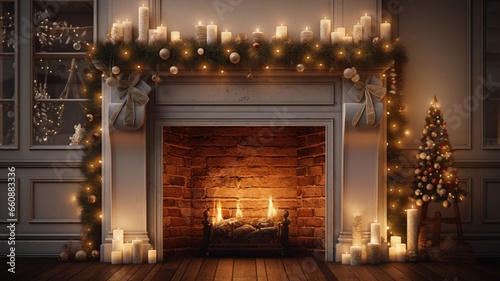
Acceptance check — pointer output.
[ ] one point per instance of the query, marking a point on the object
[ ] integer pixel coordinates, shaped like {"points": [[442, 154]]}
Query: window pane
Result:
{"points": [[59, 98], [7, 118], [7, 19], [491, 88], [63, 26], [7, 77]]}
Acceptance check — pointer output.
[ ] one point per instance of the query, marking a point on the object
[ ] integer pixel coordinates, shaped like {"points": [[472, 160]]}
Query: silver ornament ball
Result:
{"points": [[115, 70], [174, 70], [201, 51], [234, 57], [111, 82], [300, 67], [164, 53]]}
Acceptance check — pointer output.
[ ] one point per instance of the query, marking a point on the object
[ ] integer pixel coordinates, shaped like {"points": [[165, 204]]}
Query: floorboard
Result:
{"points": [[196, 268]]}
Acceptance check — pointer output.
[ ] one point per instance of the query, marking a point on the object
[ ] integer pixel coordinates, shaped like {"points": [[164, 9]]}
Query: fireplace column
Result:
{"points": [[364, 174], [124, 200]]}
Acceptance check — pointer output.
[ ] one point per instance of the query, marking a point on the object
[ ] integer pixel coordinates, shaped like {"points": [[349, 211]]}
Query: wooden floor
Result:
{"points": [[246, 269]]}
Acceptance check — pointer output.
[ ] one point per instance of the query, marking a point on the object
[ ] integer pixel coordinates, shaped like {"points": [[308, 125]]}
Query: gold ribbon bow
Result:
{"points": [[132, 97], [360, 90]]}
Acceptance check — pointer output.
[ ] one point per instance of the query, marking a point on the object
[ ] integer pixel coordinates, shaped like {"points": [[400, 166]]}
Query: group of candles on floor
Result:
{"points": [[125, 253], [375, 251]]}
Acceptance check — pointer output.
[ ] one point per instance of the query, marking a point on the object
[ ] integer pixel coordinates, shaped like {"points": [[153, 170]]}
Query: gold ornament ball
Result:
{"points": [[81, 255], [95, 254], [155, 78], [90, 117], [256, 46], [355, 78], [92, 198], [111, 82], [234, 57], [115, 70], [426, 198], [174, 70], [419, 202], [446, 203], [201, 51], [429, 186], [164, 54], [300, 67], [349, 72]]}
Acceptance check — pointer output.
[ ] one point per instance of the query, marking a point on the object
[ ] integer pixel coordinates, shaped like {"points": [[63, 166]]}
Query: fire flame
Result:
{"points": [[217, 219], [239, 213], [271, 211]]}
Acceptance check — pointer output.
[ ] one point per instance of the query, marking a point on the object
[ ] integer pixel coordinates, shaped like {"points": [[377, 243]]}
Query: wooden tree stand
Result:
{"points": [[438, 220]]}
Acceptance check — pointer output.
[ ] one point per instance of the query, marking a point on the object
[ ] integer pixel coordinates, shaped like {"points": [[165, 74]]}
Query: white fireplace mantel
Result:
{"points": [[355, 159]]}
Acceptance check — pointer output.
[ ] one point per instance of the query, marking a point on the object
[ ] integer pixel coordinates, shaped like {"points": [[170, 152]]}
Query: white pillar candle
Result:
{"points": [[143, 24], [392, 253], [153, 36], [366, 23], [357, 229], [395, 240], [200, 33], [127, 31], [281, 32], [385, 31], [384, 252], [116, 244], [136, 251], [356, 255], [306, 35], [118, 234], [257, 35], [151, 256], [127, 253], [226, 37], [412, 229], [336, 37], [116, 32], [401, 252], [346, 258], [357, 33], [116, 257], [341, 30], [325, 28], [211, 33], [373, 250], [375, 232], [347, 39], [162, 32], [175, 36]]}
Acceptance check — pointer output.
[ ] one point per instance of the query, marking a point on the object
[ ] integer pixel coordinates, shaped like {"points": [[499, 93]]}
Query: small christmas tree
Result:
{"points": [[435, 173]]}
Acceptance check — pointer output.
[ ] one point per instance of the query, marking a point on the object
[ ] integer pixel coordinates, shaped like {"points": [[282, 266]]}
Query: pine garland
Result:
{"points": [[277, 54]]}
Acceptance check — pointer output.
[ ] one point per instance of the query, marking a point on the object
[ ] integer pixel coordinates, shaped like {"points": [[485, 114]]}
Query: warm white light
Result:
{"points": [[271, 212]]}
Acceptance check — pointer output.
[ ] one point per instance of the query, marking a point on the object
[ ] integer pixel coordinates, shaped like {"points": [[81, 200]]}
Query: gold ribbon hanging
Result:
{"points": [[133, 96], [368, 91]]}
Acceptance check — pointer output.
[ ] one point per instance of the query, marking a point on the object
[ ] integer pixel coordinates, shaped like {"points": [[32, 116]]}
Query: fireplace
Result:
{"points": [[159, 181], [250, 173]]}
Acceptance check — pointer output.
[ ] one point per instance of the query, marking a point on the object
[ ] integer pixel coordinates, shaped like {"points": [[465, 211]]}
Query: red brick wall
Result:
{"points": [[203, 165]]}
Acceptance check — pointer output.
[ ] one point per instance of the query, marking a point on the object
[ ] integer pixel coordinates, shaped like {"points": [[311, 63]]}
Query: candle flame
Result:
{"points": [[271, 212], [219, 217], [239, 213]]}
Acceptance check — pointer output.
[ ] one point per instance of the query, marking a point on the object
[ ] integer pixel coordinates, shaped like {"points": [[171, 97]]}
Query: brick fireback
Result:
{"points": [[202, 165]]}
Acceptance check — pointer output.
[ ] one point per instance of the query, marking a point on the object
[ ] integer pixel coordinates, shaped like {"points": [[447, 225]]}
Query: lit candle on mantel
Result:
{"points": [[366, 23], [325, 27], [375, 232], [306, 35], [347, 39], [117, 32], [341, 30], [200, 33], [143, 26], [226, 37], [162, 32], [175, 36], [127, 31], [357, 33], [336, 37], [385, 31], [211, 33], [282, 32], [258, 35], [412, 229]]}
